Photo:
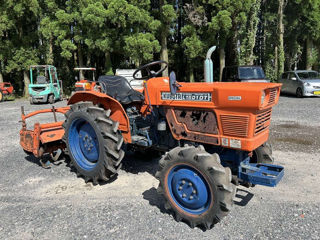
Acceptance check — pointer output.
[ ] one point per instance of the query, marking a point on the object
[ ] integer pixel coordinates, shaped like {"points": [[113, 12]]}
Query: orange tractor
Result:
{"points": [[6, 91], [83, 83], [214, 136]]}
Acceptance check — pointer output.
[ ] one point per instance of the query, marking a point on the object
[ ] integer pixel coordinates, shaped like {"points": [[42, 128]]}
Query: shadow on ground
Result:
{"points": [[243, 197], [138, 163]]}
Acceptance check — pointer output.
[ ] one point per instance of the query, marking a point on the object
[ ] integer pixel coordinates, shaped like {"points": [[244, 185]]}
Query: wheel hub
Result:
{"points": [[189, 189], [84, 144]]}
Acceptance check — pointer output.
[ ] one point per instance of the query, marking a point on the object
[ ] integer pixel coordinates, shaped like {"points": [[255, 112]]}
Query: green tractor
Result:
{"points": [[45, 87]]}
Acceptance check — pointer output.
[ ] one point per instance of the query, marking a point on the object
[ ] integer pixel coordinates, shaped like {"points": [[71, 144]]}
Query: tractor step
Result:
{"points": [[260, 173]]}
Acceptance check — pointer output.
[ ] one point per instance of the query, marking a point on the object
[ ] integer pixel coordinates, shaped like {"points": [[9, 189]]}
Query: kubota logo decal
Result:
{"points": [[197, 97]]}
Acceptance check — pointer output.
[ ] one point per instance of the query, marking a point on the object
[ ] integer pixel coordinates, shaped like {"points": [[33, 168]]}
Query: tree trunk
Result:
{"points": [[164, 53], [276, 62], [191, 73], [164, 45], [253, 31], [50, 60], [89, 59], [1, 76], [233, 56], [281, 60], [26, 81], [108, 64], [309, 45], [222, 60], [80, 58]]}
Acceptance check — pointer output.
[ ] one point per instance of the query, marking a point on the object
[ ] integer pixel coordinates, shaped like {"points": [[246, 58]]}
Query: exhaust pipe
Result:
{"points": [[208, 66]]}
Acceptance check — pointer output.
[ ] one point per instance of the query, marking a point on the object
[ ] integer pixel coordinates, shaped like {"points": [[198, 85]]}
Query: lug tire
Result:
{"points": [[107, 144], [51, 99], [214, 179], [299, 93], [31, 101], [263, 154], [1, 96]]}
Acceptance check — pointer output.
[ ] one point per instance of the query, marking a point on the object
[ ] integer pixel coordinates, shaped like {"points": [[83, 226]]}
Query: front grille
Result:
{"points": [[273, 95], [236, 126], [263, 120], [38, 89]]}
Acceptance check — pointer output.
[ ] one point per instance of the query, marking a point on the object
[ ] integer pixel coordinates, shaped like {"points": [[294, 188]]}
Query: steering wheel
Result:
{"points": [[151, 73]]}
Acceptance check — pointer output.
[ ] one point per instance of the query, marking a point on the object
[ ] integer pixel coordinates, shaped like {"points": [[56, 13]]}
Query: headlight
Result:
{"points": [[307, 84], [263, 96], [87, 86]]}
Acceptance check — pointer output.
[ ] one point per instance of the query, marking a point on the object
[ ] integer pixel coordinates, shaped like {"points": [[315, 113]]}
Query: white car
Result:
{"points": [[302, 83]]}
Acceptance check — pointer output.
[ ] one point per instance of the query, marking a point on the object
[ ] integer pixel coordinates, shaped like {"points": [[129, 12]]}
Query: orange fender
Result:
{"points": [[118, 114]]}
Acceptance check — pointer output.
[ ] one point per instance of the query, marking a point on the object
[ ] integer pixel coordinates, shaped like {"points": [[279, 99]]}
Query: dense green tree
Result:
{"points": [[23, 35], [108, 34]]}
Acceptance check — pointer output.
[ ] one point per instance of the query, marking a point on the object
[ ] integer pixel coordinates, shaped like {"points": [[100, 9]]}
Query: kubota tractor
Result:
{"points": [[85, 84], [214, 136], [6, 91]]}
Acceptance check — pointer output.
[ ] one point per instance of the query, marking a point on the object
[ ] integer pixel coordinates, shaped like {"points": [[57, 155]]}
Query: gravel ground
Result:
{"points": [[37, 203]]}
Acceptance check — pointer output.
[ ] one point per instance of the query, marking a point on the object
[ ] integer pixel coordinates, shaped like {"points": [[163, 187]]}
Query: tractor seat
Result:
{"points": [[41, 80], [120, 89]]}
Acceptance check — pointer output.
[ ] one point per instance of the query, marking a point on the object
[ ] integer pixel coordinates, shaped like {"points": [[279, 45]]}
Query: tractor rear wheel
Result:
{"points": [[93, 142], [1, 96], [196, 187]]}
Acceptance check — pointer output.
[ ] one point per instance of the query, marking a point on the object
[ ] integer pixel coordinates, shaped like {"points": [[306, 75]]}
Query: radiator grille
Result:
{"points": [[273, 95], [263, 120], [236, 126]]}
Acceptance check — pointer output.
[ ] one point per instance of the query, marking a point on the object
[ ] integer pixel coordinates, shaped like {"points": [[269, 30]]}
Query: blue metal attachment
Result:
{"points": [[260, 173], [83, 144], [189, 189]]}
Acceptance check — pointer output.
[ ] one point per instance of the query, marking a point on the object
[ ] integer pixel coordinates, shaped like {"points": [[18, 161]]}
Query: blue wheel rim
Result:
{"points": [[83, 144], [188, 189]]}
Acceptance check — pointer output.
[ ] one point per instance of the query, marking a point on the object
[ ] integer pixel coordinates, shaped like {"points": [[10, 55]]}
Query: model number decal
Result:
{"points": [[234, 98], [197, 97]]}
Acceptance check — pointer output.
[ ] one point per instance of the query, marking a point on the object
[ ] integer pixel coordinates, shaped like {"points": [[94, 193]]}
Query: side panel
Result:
{"points": [[118, 114], [198, 125]]}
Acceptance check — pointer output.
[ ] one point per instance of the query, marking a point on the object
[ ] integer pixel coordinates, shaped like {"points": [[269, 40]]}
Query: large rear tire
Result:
{"points": [[196, 187], [93, 142]]}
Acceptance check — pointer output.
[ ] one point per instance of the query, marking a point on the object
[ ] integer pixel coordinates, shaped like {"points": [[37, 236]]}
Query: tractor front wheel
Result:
{"points": [[263, 154], [196, 187], [51, 99], [93, 142]]}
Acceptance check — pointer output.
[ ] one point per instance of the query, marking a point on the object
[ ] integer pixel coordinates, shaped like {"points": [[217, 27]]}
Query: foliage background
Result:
{"points": [[109, 34]]}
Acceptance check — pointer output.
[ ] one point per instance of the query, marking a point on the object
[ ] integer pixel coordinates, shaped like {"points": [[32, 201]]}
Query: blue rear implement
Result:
{"points": [[260, 173]]}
